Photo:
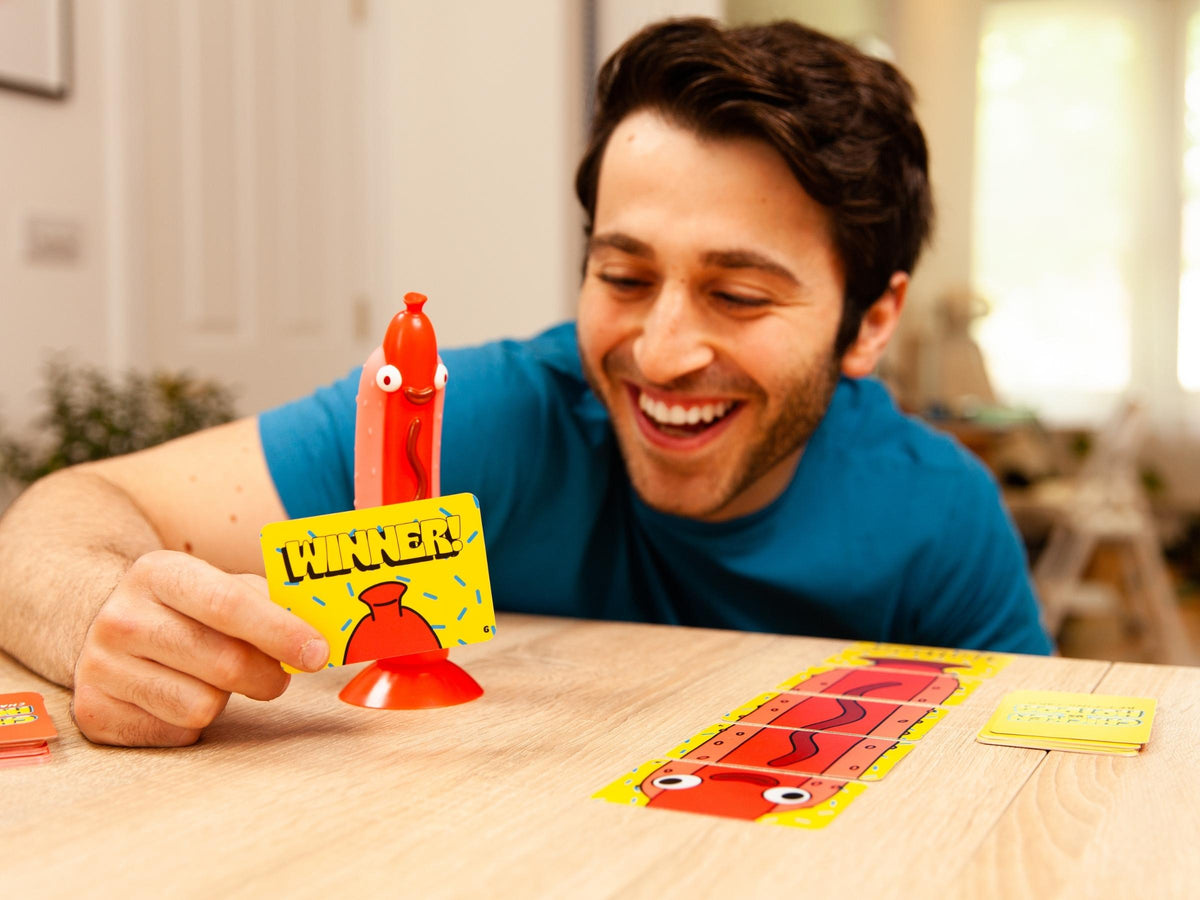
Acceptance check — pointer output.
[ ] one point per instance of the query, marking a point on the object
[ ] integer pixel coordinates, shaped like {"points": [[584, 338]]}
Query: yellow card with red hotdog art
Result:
{"points": [[869, 682], [847, 715], [801, 752], [388, 580], [972, 664], [799, 801]]}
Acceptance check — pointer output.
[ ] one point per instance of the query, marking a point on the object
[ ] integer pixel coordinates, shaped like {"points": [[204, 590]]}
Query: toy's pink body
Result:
{"points": [[368, 436]]}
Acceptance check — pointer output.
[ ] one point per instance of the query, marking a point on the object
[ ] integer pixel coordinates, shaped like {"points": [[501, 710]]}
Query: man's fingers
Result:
{"points": [[171, 696], [103, 719], [167, 636], [172, 641], [236, 606]]}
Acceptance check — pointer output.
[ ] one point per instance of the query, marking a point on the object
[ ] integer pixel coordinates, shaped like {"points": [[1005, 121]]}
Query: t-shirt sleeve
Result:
{"points": [[976, 585], [309, 448]]}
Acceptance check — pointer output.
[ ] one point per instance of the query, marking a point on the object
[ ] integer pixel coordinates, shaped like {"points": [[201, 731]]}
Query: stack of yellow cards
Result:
{"points": [[1082, 723]]}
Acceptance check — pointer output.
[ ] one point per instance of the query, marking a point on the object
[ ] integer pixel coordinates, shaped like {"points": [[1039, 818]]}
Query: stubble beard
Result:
{"points": [[789, 430]]}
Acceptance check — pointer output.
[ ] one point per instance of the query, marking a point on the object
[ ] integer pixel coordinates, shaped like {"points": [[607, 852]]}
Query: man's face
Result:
{"points": [[707, 316]]}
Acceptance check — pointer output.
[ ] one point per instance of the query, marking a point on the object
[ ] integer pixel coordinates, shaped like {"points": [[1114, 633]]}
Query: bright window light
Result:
{"points": [[1053, 240], [1189, 282]]}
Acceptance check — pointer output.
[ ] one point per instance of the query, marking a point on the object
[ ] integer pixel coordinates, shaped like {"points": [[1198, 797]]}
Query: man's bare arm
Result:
{"points": [[115, 579]]}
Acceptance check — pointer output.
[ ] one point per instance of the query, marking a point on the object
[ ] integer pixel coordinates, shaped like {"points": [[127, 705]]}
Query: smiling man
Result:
{"points": [[708, 315], [702, 447]]}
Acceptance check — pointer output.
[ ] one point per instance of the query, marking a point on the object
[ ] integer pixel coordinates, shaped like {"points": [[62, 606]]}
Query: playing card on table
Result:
{"points": [[25, 727], [1084, 723]]}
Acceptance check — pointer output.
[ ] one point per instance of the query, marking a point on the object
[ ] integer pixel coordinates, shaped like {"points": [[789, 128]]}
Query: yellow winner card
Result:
{"points": [[385, 581]]}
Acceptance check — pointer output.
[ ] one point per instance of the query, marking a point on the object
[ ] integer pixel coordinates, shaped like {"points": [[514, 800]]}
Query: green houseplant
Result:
{"points": [[89, 415]]}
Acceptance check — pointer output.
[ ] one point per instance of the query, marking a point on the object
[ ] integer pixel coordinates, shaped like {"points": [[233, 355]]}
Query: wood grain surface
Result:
{"points": [[1095, 826], [307, 796]]}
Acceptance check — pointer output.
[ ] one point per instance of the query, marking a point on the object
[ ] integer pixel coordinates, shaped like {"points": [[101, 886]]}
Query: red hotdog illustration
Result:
{"points": [[800, 754], [389, 628], [969, 664], [921, 686], [735, 793], [845, 714], [829, 753], [398, 426], [911, 665]]}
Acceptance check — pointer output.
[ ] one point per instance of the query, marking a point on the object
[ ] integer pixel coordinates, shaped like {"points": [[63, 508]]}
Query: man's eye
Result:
{"points": [[741, 300], [623, 283]]}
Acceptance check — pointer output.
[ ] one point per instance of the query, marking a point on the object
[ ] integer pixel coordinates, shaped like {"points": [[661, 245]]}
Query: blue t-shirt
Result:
{"points": [[888, 530]]}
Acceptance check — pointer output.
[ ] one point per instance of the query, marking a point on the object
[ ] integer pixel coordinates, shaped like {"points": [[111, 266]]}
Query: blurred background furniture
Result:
{"points": [[1104, 508], [1078, 496]]}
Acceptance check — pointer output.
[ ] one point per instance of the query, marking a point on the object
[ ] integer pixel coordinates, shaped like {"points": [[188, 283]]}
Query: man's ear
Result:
{"points": [[878, 325]]}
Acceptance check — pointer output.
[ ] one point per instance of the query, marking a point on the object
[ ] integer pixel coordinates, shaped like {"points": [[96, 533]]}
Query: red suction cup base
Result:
{"points": [[419, 681]]}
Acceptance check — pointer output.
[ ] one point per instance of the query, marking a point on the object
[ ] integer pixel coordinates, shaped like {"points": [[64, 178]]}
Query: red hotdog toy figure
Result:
{"points": [[397, 451], [398, 429]]}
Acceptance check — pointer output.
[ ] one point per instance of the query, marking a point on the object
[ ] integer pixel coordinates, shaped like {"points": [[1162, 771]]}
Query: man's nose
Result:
{"points": [[674, 341]]}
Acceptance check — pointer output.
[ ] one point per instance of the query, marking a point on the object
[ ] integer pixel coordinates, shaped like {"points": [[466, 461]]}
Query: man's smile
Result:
{"points": [[681, 422]]}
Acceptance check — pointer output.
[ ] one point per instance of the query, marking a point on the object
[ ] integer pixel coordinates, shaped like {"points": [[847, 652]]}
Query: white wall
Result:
{"points": [[475, 126], [936, 46], [471, 116], [52, 165], [618, 19]]}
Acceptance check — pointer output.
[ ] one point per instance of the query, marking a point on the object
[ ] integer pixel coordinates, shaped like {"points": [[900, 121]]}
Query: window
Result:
{"points": [[1078, 191], [1189, 282]]}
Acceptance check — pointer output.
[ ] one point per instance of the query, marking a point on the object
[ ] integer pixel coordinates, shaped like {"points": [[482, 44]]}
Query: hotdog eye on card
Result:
{"points": [[385, 581]]}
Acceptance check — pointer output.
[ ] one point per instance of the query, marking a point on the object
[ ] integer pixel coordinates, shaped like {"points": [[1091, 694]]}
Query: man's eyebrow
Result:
{"points": [[749, 259], [620, 241]]}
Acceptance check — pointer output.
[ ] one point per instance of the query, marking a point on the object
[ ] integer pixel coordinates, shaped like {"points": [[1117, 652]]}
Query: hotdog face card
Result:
{"points": [[800, 801], [385, 581]]}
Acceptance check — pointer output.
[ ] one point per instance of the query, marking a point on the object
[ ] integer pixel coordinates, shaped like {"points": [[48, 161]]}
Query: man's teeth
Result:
{"points": [[663, 414]]}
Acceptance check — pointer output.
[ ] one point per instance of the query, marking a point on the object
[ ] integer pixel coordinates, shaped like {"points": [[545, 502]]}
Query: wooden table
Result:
{"points": [[308, 796]]}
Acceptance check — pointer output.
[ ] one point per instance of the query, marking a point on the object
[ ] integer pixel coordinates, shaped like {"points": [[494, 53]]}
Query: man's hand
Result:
{"points": [[173, 640]]}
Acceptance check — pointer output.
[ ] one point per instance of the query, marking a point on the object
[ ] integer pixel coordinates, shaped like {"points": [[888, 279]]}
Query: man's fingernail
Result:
{"points": [[314, 654]]}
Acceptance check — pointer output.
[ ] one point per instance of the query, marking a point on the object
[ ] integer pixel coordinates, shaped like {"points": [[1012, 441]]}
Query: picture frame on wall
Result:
{"points": [[35, 46]]}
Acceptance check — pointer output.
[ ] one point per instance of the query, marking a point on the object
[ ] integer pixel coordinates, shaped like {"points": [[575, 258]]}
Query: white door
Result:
{"points": [[245, 148], [291, 168]]}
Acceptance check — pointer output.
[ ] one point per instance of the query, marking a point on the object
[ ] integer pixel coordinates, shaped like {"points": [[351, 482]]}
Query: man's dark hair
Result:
{"points": [[842, 120]]}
